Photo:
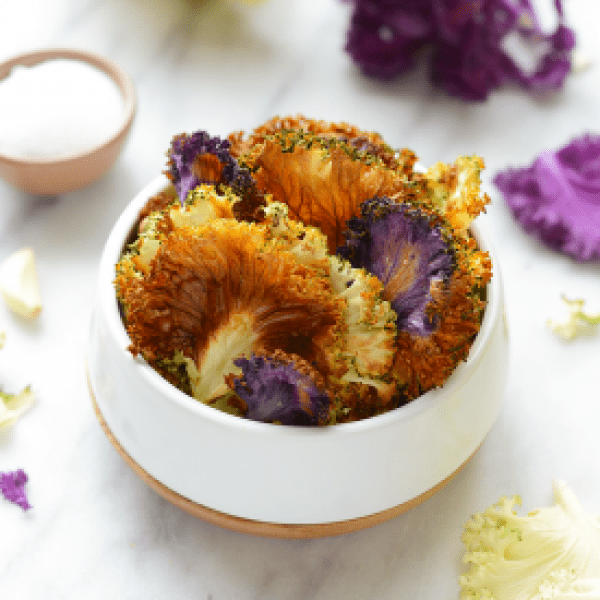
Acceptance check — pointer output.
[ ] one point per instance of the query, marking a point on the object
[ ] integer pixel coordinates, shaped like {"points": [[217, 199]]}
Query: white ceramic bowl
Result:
{"points": [[281, 480]]}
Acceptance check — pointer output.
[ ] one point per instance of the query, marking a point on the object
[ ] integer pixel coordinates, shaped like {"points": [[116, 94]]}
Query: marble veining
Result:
{"points": [[96, 531]]}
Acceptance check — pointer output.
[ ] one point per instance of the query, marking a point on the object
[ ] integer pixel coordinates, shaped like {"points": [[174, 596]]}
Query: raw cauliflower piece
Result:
{"points": [[12, 406], [515, 557], [19, 284]]}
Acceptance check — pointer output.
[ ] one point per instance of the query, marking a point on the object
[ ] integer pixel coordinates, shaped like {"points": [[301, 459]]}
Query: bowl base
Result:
{"points": [[264, 528]]}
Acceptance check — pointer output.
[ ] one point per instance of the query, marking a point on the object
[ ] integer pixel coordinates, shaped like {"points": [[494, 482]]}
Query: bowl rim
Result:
{"points": [[107, 66], [107, 298]]}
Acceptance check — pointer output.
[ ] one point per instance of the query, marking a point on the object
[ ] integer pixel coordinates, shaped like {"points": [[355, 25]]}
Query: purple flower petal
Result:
{"points": [[406, 250], [12, 486], [557, 198], [283, 390]]}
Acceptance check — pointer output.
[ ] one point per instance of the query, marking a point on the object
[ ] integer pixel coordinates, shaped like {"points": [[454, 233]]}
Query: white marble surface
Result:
{"points": [[95, 529]]}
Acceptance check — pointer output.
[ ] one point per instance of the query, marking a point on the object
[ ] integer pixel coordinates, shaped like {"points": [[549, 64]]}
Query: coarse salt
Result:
{"points": [[57, 108]]}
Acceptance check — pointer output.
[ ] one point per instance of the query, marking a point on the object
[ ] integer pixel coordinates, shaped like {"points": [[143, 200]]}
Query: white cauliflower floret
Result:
{"points": [[12, 406], [455, 190], [203, 204], [307, 244], [554, 549], [368, 349], [370, 322], [234, 340]]}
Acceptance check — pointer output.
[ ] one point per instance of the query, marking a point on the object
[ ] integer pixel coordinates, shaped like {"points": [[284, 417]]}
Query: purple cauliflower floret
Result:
{"points": [[474, 54], [477, 45], [12, 486], [282, 389], [557, 197], [183, 154], [406, 250], [385, 34]]}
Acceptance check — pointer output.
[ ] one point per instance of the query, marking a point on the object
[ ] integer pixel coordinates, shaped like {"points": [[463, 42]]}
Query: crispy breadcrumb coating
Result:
{"points": [[424, 362], [214, 294], [455, 191], [323, 181], [236, 294], [367, 352], [161, 215], [364, 141]]}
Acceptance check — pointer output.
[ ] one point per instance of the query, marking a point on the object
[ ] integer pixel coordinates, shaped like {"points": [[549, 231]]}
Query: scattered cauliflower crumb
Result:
{"points": [[19, 284], [577, 321], [12, 487], [553, 552], [12, 406], [581, 61]]}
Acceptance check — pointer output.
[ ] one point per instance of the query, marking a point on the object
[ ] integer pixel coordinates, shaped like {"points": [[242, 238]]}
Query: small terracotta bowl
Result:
{"points": [[284, 481], [57, 176]]}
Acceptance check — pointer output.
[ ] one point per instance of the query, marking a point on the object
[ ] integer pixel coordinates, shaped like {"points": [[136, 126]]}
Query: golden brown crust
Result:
{"points": [[427, 362], [201, 278], [366, 141], [158, 203], [322, 191], [206, 285]]}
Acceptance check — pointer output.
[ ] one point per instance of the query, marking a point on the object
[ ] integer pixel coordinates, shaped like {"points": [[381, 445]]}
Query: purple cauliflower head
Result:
{"points": [[477, 45]]}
